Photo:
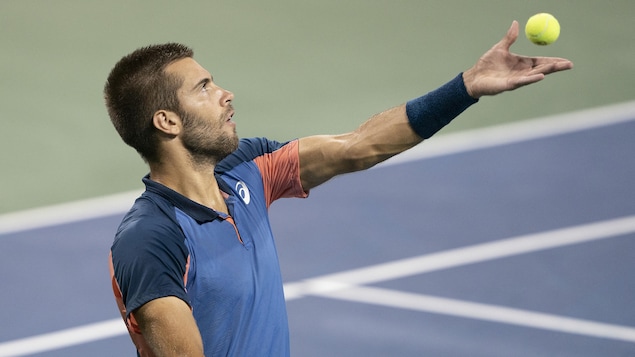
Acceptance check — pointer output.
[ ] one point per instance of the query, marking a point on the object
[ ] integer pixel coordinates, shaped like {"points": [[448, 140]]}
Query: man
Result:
{"points": [[194, 265]]}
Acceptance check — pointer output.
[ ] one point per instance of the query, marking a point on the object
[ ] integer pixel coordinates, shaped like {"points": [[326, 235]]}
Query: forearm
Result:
{"points": [[383, 135], [400, 128], [379, 138]]}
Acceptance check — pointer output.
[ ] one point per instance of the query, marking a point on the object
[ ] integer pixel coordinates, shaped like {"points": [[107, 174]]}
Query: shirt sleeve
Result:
{"points": [[280, 172], [149, 258]]}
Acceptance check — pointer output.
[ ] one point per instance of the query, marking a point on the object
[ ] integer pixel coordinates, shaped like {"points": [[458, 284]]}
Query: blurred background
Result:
{"points": [[296, 67]]}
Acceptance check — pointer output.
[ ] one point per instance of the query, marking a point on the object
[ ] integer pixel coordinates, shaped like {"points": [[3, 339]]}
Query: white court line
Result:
{"points": [[437, 146], [336, 285], [516, 132], [67, 212], [466, 255], [478, 311], [63, 338]]}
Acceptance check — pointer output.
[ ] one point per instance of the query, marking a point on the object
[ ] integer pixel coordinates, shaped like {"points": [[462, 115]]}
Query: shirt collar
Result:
{"points": [[193, 209]]}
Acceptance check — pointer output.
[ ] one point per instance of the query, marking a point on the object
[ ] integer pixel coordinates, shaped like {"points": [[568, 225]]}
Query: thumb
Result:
{"points": [[511, 36]]}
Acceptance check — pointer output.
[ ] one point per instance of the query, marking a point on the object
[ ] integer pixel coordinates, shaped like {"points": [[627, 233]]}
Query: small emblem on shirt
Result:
{"points": [[243, 192]]}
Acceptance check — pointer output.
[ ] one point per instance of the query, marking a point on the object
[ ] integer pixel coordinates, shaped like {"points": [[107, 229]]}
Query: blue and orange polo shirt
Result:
{"points": [[224, 266]]}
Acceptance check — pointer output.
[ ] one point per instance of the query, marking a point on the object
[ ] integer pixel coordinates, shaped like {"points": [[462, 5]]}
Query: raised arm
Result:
{"points": [[382, 136], [400, 128]]}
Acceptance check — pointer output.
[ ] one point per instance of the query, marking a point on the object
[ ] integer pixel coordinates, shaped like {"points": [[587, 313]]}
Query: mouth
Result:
{"points": [[229, 120]]}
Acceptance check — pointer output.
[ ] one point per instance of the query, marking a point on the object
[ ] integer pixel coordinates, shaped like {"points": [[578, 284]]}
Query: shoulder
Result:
{"points": [[150, 224], [248, 150], [149, 255]]}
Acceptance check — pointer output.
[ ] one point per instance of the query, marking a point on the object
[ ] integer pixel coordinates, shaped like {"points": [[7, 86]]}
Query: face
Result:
{"points": [[209, 134]]}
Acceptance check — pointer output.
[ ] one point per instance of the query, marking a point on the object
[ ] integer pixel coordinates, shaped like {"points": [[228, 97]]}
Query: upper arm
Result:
{"points": [[384, 135], [169, 328]]}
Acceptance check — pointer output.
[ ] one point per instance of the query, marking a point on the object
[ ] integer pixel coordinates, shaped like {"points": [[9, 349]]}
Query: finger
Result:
{"points": [[528, 79], [511, 36], [551, 65], [541, 60]]}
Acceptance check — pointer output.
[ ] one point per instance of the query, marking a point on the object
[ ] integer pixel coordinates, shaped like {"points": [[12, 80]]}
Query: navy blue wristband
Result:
{"points": [[431, 112]]}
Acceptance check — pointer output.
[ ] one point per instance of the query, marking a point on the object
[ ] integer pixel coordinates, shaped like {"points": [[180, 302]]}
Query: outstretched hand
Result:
{"points": [[499, 70]]}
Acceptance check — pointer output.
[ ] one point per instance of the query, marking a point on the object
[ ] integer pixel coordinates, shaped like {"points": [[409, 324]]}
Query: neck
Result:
{"points": [[194, 181]]}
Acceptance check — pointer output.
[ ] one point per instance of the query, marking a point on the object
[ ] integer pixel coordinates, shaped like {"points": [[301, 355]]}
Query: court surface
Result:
{"points": [[515, 240]]}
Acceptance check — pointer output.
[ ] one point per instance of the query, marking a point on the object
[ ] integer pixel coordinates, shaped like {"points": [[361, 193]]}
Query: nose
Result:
{"points": [[227, 97]]}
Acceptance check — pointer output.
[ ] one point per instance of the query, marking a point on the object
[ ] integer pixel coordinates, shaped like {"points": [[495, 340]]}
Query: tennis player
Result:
{"points": [[194, 266]]}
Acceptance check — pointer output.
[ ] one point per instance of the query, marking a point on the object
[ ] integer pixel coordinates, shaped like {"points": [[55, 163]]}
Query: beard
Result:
{"points": [[207, 142]]}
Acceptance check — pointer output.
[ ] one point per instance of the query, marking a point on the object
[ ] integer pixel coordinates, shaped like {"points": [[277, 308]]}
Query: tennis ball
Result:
{"points": [[542, 29]]}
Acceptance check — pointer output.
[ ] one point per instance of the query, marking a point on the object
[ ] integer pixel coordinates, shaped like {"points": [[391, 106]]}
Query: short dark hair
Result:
{"points": [[137, 87]]}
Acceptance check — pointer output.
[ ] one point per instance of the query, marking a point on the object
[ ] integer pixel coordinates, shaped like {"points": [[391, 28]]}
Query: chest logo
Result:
{"points": [[243, 192]]}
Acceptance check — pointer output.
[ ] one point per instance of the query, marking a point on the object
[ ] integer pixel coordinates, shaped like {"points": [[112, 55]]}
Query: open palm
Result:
{"points": [[499, 70]]}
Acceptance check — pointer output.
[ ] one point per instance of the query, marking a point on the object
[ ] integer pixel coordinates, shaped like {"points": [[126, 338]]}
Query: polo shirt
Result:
{"points": [[225, 267]]}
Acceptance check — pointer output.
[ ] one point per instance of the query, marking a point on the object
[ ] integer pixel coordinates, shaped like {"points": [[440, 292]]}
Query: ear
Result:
{"points": [[167, 122]]}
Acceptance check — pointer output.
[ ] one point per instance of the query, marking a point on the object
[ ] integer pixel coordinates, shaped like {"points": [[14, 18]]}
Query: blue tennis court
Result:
{"points": [[516, 240]]}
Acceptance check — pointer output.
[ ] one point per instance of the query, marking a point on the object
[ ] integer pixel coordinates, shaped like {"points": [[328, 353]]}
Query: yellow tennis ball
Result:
{"points": [[542, 29]]}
